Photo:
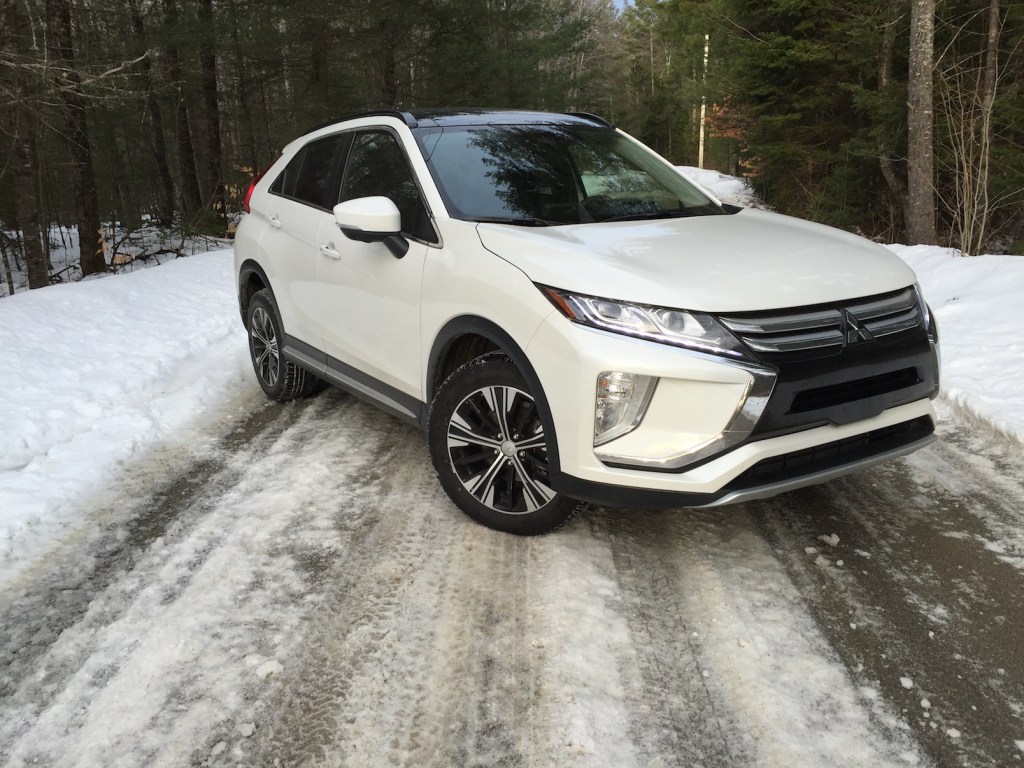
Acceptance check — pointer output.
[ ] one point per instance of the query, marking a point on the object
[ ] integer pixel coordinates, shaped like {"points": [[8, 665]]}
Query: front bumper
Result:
{"points": [[700, 442]]}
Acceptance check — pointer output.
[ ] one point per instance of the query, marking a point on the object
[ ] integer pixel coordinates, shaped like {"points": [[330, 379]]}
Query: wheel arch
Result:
{"points": [[467, 337], [252, 278]]}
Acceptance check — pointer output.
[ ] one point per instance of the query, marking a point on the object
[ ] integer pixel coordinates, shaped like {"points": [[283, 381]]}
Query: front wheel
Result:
{"points": [[490, 452]]}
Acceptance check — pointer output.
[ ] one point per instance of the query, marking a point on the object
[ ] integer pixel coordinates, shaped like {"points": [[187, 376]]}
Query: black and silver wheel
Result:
{"points": [[280, 379], [490, 451]]}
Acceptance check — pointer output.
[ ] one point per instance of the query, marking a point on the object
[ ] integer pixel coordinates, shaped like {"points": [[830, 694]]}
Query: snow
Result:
{"points": [[728, 189], [977, 301], [95, 373]]}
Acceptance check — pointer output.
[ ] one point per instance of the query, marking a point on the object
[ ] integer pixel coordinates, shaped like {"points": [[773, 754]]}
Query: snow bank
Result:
{"points": [[95, 372], [728, 189], [977, 301]]}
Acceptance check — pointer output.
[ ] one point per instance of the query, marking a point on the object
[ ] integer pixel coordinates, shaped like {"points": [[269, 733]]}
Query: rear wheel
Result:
{"points": [[490, 451], [280, 379]]}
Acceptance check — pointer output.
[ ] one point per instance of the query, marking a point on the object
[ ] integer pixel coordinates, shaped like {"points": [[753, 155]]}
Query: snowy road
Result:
{"points": [[298, 591]]}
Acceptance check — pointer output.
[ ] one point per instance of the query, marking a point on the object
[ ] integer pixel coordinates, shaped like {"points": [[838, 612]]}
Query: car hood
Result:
{"points": [[751, 260]]}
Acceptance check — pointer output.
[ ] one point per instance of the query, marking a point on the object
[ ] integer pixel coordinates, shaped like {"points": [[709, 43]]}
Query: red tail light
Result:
{"points": [[252, 186]]}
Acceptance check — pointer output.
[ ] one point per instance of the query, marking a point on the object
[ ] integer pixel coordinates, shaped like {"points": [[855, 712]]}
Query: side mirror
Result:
{"points": [[372, 220]]}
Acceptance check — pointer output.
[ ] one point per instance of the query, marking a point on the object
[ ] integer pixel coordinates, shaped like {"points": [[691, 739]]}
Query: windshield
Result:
{"points": [[538, 175]]}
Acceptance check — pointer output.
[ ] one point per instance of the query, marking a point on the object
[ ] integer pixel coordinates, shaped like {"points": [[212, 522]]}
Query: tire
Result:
{"points": [[489, 450], [280, 379]]}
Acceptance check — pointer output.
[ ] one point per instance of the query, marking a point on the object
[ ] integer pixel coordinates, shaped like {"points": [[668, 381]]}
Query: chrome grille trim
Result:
{"points": [[822, 329]]}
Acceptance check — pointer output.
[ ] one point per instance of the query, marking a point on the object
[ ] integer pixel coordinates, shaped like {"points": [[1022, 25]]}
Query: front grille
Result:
{"points": [[827, 328], [822, 458]]}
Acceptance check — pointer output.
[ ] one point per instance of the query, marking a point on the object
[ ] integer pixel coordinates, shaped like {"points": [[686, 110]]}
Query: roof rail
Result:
{"points": [[595, 118], [405, 117]]}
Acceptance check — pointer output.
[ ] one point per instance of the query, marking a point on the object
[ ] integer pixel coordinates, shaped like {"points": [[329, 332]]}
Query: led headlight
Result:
{"points": [[929, 321], [678, 327]]}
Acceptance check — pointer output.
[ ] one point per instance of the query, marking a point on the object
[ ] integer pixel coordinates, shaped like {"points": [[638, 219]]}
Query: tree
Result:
{"points": [[921, 125], [67, 83]]}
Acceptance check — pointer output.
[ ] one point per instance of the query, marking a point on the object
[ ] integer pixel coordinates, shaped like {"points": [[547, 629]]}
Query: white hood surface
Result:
{"points": [[751, 260]]}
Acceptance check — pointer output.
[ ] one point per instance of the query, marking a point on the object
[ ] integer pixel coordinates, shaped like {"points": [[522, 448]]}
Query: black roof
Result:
{"points": [[450, 117]]}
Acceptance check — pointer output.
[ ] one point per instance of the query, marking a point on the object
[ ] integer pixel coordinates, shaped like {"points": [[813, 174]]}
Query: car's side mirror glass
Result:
{"points": [[372, 220]]}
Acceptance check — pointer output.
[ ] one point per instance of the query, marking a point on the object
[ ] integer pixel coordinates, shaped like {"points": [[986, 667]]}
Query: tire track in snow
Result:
{"points": [[673, 715], [922, 593], [353, 693], [442, 643], [55, 596], [731, 668], [174, 657]]}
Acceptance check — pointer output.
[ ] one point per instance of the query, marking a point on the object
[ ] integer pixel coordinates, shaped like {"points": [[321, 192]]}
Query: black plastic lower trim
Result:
{"points": [[608, 495], [354, 381], [769, 476], [820, 458]]}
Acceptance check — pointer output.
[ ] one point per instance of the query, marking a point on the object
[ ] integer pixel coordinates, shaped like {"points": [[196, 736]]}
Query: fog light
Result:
{"points": [[622, 400]]}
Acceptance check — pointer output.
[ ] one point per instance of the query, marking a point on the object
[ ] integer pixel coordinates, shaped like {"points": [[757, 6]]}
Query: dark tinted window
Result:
{"points": [[377, 166], [308, 176]]}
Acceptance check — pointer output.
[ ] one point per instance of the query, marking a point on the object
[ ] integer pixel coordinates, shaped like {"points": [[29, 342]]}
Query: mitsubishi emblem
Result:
{"points": [[855, 331]]}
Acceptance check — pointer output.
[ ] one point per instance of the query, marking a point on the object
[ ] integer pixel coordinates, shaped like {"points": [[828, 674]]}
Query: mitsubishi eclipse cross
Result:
{"points": [[570, 320]]}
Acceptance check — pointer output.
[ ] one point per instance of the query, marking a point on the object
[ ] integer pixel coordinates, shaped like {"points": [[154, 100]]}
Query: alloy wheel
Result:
{"points": [[265, 354], [498, 451]]}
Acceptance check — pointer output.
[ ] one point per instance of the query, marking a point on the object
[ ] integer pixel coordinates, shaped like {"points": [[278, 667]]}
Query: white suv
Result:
{"points": [[571, 321]]}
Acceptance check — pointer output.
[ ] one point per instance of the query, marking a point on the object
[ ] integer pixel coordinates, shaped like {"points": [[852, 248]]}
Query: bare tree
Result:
{"points": [[165, 189], [60, 51], [211, 98], [921, 125], [968, 92], [191, 199]]}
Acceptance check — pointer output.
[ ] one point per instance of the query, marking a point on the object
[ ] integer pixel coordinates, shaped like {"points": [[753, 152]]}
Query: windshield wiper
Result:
{"points": [[704, 210], [519, 222]]}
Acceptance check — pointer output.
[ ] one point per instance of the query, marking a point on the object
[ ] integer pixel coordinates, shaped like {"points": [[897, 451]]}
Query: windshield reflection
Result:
{"points": [[547, 174]]}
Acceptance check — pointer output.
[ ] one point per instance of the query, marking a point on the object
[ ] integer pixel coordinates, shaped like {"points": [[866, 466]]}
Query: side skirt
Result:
{"points": [[355, 382]]}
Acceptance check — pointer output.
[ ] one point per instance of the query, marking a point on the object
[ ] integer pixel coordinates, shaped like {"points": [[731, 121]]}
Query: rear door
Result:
{"points": [[299, 202]]}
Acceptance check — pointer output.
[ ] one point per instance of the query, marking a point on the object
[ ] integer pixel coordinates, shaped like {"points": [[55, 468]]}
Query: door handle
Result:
{"points": [[329, 252], [275, 222]]}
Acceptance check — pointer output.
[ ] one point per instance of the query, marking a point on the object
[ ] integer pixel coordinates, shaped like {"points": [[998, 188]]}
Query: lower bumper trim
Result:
{"points": [[771, 476]]}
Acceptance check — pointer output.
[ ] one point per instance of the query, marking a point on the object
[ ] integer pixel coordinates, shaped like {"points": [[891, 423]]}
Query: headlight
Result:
{"points": [[678, 327], [929, 321]]}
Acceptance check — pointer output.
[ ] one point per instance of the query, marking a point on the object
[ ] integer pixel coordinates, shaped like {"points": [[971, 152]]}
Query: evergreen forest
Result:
{"points": [[902, 120]]}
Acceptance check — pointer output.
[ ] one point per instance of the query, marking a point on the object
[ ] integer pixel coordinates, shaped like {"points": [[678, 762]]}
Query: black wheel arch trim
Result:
{"points": [[247, 268], [473, 324]]}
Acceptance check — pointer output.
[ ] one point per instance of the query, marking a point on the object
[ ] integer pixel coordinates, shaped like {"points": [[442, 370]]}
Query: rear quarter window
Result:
{"points": [[308, 177]]}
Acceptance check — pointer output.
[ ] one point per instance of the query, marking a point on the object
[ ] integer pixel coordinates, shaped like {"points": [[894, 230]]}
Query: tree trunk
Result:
{"points": [[8, 275], [165, 189], [896, 185], [244, 88], [921, 125], [26, 191], [208, 65], [61, 52], [191, 199], [988, 97]]}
